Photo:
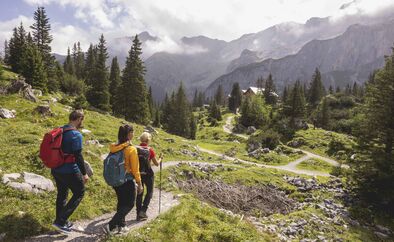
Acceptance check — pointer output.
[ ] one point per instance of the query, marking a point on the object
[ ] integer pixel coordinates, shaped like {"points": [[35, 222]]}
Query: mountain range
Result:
{"points": [[345, 50]]}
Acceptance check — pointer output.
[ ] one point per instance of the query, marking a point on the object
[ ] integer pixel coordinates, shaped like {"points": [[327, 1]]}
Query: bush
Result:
{"points": [[253, 112], [80, 102], [72, 85], [268, 139]]}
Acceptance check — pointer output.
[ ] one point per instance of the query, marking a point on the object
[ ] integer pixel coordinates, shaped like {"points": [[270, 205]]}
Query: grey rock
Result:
{"points": [[44, 110], [22, 186], [39, 182], [150, 130], [24, 89], [37, 93], [88, 168], [94, 142], [169, 140], [6, 114], [10, 177], [251, 130], [383, 229], [381, 235]]}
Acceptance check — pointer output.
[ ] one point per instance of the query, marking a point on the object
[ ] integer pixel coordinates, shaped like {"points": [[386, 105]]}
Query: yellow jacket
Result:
{"points": [[131, 161]]}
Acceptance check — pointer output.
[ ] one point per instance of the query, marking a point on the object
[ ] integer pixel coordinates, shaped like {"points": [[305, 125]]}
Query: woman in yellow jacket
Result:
{"points": [[126, 192]]}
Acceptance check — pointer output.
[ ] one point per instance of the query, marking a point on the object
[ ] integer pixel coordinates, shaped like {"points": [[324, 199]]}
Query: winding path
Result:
{"points": [[292, 166]]}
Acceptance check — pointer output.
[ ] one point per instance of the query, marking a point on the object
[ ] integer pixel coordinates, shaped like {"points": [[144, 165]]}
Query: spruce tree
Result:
{"points": [[68, 64], [90, 65], [285, 95], [182, 113], [157, 121], [42, 38], [6, 53], [78, 60], [17, 49], [269, 91], [316, 90], [115, 82], [33, 69], [150, 103], [98, 95], [323, 116], [134, 100], [235, 99], [331, 90], [201, 99], [195, 99], [219, 95], [253, 112], [193, 127], [373, 171], [260, 84], [295, 106]]}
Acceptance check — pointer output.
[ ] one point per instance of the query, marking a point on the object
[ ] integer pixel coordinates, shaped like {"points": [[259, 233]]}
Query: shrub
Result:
{"points": [[72, 85], [268, 139], [253, 112]]}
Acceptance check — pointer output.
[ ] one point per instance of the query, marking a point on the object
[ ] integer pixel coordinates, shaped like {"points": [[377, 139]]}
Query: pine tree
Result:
{"points": [[195, 99], [115, 82], [295, 106], [134, 100], [193, 128], [157, 121], [17, 48], [219, 96], [285, 95], [6, 53], [150, 103], [374, 171], [42, 38], [79, 60], [90, 65], [260, 84], [201, 99], [316, 90], [68, 64], [33, 69], [323, 116], [235, 99], [331, 90], [269, 91], [98, 95]]}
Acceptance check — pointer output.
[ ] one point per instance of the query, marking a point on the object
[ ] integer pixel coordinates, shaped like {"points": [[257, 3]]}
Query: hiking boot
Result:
{"points": [[62, 229], [123, 230], [142, 216], [69, 224], [109, 231]]}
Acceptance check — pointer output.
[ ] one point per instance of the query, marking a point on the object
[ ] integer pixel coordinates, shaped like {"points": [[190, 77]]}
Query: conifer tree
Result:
{"points": [[323, 116], [6, 53], [90, 65], [269, 91], [235, 99], [338, 89], [373, 173], [200, 99], [182, 114], [219, 96], [134, 100], [115, 82], [195, 99], [331, 90], [253, 112], [260, 84], [316, 90], [285, 95], [348, 90], [157, 121], [79, 60], [193, 127], [295, 106], [68, 64], [150, 103], [355, 90], [33, 68], [17, 48], [214, 112], [98, 95]]}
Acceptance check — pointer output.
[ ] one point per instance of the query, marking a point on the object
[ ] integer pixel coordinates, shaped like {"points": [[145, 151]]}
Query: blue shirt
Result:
{"points": [[72, 142]]}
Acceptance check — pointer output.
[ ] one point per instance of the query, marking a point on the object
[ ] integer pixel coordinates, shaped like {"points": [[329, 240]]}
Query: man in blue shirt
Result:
{"points": [[70, 175]]}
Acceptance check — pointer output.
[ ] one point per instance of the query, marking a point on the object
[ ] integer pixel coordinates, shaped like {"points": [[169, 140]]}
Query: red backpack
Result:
{"points": [[51, 149]]}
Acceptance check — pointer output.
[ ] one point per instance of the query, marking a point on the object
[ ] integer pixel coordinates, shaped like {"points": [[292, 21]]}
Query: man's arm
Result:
{"points": [[80, 161]]}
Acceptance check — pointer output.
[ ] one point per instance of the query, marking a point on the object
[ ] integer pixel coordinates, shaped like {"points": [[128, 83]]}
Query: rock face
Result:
{"points": [[24, 89], [6, 114], [351, 56], [44, 110], [29, 182]]}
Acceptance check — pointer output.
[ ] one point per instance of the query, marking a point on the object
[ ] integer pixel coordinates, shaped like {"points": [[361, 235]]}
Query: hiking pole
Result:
{"points": [[161, 166]]}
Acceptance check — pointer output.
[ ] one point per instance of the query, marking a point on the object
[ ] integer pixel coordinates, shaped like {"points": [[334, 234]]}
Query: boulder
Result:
{"points": [[37, 93], [297, 142], [39, 182], [252, 146], [266, 150], [21, 87], [88, 168], [44, 110], [29, 182], [94, 142], [86, 131], [150, 130], [169, 140], [251, 130], [381, 236], [239, 128], [6, 114]]}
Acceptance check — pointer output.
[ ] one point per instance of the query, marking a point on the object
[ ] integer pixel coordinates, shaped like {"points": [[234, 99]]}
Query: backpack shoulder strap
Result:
{"points": [[69, 129]]}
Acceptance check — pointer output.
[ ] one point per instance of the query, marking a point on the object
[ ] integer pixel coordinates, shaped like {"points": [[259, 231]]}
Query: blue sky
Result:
{"points": [[85, 20]]}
